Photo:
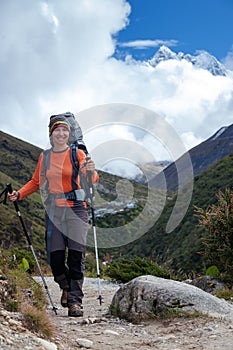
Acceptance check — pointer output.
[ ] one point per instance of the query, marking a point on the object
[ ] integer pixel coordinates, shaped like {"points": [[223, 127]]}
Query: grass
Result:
{"points": [[226, 293], [37, 321], [21, 293]]}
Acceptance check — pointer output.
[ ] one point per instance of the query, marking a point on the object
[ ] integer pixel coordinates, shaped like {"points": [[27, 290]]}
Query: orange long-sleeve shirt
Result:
{"points": [[59, 176]]}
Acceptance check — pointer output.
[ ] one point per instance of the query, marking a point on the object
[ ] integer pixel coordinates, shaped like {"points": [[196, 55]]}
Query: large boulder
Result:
{"points": [[147, 296]]}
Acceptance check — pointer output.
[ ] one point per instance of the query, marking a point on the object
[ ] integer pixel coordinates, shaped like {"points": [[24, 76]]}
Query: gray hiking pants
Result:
{"points": [[68, 229]]}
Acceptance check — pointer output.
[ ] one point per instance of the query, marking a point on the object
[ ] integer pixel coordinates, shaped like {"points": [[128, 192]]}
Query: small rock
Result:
{"points": [[3, 313], [13, 322], [84, 342], [110, 332], [209, 329], [47, 345], [159, 340]]}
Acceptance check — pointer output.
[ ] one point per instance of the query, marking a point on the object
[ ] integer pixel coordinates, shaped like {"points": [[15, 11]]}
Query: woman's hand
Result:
{"points": [[13, 196], [90, 165]]}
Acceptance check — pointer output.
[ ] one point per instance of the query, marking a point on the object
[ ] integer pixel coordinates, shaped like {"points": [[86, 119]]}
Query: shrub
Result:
{"points": [[218, 241], [212, 271], [125, 270]]}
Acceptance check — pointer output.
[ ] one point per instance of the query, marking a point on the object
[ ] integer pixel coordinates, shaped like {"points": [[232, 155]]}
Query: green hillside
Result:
{"points": [[180, 250], [18, 160]]}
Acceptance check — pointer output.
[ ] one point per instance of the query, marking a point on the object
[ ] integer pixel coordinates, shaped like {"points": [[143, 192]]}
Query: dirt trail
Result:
{"points": [[102, 332]]}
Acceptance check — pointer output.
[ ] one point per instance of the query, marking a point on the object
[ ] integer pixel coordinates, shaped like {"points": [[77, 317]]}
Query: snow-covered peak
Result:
{"points": [[202, 60], [163, 54]]}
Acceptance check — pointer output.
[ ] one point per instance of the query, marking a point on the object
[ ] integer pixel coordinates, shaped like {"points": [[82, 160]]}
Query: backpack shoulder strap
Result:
{"points": [[46, 161], [74, 156], [75, 164]]}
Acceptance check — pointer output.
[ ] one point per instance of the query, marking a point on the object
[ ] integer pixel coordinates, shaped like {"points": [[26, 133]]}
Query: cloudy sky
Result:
{"points": [[69, 55]]}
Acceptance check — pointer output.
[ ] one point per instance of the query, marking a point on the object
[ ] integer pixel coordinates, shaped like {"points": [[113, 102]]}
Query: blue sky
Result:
{"points": [[189, 25]]}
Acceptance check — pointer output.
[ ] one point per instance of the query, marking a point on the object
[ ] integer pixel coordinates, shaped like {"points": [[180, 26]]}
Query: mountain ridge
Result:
{"points": [[203, 60], [202, 156]]}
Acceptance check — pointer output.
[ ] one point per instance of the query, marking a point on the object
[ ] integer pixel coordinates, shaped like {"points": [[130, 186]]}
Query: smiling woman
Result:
{"points": [[66, 213], [59, 130], [60, 138]]}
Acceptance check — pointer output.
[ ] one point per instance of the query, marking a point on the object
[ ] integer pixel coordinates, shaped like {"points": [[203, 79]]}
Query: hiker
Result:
{"points": [[66, 215]]}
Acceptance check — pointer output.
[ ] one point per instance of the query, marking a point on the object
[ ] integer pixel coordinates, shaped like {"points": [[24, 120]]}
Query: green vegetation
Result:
{"points": [[181, 251], [218, 241], [226, 293], [90, 266], [125, 270], [212, 271], [20, 284], [20, 292]]}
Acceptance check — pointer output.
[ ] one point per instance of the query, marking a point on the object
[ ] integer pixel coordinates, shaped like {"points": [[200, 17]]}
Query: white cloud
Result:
{"points": [[228, 60], [57, 56], [142, 44]]}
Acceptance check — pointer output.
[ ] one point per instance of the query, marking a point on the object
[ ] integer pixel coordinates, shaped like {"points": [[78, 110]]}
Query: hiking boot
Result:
{"points": [[75, 310], [64, 298]]}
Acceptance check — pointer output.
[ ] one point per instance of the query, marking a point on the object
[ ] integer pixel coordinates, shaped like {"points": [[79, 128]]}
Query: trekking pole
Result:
{"points": [[91, 204], [9, 189]]}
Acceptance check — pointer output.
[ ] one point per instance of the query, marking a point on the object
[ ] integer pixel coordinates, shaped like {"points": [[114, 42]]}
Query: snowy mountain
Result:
{"points": [[202, 60]]}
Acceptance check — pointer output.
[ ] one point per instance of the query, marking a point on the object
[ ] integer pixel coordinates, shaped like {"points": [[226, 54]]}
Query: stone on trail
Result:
{"points": [[148, 296], [84, 342]]}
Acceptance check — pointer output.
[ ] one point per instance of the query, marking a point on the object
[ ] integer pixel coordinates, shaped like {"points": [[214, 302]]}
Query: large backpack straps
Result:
{"points": [[45, 162], [75, 165]]}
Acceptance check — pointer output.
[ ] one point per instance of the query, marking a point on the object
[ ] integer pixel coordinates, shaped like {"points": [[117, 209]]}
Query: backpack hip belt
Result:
{"points": [[75, 195]]}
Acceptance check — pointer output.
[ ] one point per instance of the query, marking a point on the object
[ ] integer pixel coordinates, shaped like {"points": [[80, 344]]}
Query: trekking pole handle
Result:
{"points": [[9, 188], [88, 157], [89, 173], [89, 181]]}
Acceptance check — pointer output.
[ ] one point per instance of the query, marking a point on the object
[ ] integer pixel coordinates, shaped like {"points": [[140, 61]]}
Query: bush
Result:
{"points": [[218, 241], [125, 270], [212, 271]]}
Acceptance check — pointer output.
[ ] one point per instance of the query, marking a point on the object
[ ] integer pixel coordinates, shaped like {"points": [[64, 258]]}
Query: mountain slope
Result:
{"points": [[180, 250], [202, 157]]}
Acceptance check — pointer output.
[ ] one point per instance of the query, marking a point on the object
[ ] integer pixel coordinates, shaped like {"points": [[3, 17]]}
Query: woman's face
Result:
{"points": [[60, 136]]}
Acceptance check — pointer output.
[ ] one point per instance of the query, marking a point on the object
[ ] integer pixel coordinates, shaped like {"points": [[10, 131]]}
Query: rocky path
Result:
{"points": [[97, 330], [102, 332]]}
